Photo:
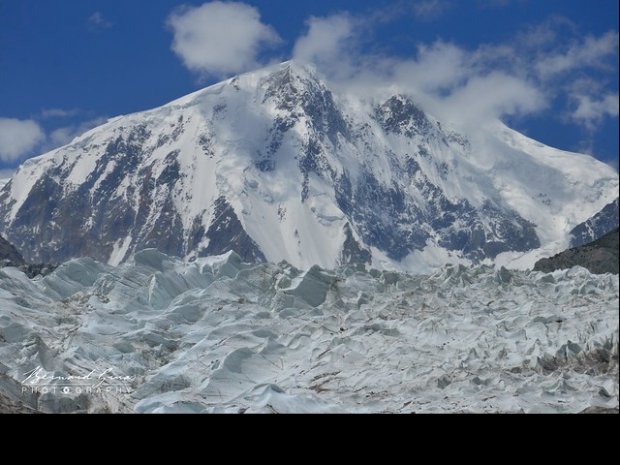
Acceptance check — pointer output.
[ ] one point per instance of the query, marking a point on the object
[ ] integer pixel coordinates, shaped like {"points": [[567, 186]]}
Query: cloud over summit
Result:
{"points": [[220, 38]]}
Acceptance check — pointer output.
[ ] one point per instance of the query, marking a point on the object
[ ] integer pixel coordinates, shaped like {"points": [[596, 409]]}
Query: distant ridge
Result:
{"points": [[600, 256]]}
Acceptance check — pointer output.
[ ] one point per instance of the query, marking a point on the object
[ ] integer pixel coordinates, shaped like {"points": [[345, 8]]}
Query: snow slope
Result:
{"points": [[217, 335], [276, 166]]}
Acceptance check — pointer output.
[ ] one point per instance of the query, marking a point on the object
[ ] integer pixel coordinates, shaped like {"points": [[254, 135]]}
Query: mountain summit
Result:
{"points": [[275, 165]]}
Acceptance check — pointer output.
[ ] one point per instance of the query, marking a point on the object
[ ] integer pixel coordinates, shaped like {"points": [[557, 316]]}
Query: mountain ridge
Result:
{"points": [[599, 256], [597, 226], [274, 165]]}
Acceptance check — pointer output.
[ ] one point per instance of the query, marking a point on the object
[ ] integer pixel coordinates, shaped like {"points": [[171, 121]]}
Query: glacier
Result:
{"points": [[222, 335]]}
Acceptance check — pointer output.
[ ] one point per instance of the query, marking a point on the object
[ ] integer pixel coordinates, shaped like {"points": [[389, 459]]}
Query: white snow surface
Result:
{"points": [[218, 132], [218, 335]]}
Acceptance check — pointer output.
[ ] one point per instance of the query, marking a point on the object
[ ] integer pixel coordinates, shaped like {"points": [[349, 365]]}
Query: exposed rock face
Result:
{"points": [[600, 256], [226, 233], [597, 226], [9, 256], [275, 165]]}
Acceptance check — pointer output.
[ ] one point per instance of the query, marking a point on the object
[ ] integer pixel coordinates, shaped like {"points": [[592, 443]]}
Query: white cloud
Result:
{"points": [[220, 38], [534, 71], [62, 136], [97, 21], [591, 52], [590, 111], [540, 35], [326, 42], [66, 134], [5, 175], [430, 9], [437, 67], [484, 98], [47, 113], [18, 137], [455, 84]]}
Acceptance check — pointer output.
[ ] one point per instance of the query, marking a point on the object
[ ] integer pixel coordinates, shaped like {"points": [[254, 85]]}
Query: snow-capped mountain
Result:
{"points": [[276, 166]]}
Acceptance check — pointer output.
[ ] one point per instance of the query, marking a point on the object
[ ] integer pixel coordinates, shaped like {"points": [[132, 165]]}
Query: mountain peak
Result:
{"points": [[275, 165], [291, 78], [293, 68]]}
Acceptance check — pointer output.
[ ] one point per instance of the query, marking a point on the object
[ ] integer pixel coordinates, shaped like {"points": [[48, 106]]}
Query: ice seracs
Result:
{"points": [[220, 335]]}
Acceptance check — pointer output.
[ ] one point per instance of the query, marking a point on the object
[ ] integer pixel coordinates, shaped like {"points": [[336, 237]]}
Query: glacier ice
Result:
{"points": [[220, 335]]}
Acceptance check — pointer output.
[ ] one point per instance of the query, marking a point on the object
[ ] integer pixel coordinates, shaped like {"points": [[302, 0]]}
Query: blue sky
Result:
{"points": [[548, 68]]}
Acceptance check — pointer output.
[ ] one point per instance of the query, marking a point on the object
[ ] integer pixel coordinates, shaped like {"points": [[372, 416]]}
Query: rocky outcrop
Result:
{"points": [[9, 256], [600, 256], [597, 226]]}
